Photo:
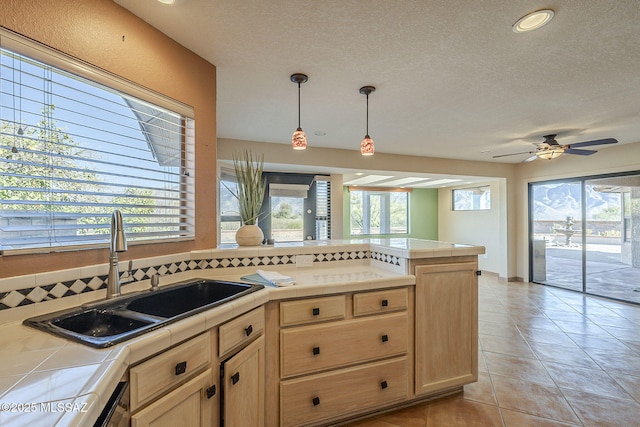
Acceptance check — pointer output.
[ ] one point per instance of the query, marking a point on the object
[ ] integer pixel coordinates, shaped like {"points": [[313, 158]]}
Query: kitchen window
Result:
{"points": [[378, 211], [297, 207], [472, 199], [77, 143]]}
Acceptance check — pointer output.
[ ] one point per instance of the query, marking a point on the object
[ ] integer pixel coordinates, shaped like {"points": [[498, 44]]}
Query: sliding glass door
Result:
{"points": [[585, 235], [612, 253], [556, 213]]}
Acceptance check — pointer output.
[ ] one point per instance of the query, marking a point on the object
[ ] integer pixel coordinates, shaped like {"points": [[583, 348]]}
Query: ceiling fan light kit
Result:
{"points": [[299, 138], [550, 149]]}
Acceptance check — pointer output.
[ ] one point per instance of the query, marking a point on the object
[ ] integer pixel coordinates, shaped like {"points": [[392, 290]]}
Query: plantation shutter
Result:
{"points": [[73, 149], [323, 207]]}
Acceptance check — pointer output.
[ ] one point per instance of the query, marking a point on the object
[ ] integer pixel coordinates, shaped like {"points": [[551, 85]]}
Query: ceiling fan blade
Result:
{"points": [[513, 154], [579, 152], [594, 142]]}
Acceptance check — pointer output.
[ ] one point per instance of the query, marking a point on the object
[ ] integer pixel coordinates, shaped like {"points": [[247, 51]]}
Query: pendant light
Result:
{"points": [[367, 147], [299, 138]]}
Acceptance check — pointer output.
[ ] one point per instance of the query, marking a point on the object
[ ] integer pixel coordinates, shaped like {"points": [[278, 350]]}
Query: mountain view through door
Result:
{"points": [[585, 235]]}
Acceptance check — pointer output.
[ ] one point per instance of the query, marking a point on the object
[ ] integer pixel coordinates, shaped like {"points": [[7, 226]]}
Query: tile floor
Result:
{"points": [[548, 357]]}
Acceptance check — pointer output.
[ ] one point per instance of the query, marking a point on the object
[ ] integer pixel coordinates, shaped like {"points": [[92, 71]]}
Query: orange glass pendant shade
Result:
{"points": [[367, 148], [299, 140]]}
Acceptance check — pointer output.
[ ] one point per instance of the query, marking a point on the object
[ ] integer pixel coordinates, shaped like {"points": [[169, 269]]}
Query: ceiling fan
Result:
{"points": [[550, 149]]}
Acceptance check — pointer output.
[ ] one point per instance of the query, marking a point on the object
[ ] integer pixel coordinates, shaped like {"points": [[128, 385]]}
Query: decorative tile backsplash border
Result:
{"points": [[389, 259], [36, 294]]}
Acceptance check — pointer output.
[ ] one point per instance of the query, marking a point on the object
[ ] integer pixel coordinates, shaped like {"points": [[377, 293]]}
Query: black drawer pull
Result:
{"points": [[385, 302], [235, 378], [316, 311], [181, 368], [316, 401], [248, 330], [383, 385], [316, 351], [385, 338], [211, 391]]}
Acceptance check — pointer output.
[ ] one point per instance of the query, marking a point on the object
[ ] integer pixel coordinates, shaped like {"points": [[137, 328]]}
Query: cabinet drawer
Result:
{"points": [[312, 310], [316, 347], [158, 375], [380, 301], [346, 391], [241, 330]]}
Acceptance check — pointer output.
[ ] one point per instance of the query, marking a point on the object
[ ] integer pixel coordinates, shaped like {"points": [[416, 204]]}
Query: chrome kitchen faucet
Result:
{"points": [[118, 244]]}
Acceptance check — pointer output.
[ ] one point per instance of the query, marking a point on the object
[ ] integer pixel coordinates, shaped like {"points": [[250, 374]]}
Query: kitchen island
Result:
{"points": [[402, 306]]}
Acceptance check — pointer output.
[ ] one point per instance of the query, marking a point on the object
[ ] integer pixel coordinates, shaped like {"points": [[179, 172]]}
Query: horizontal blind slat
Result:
{"points": [[73, 150]]}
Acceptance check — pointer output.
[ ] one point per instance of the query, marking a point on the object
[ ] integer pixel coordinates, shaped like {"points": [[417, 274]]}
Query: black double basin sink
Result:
{"points": [[113, 321]]}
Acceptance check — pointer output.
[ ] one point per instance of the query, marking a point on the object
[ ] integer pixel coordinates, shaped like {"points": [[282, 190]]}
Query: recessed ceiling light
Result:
{"points": [[167, 1], [533, 21], [319, 133]]}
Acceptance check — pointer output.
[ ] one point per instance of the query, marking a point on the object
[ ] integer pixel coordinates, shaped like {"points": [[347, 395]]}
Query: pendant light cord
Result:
{"points": [[299, 106], [367, 115]]}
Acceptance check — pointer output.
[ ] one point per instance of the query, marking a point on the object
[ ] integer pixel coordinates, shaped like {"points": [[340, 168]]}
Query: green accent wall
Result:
{"points": [[423, 214]]}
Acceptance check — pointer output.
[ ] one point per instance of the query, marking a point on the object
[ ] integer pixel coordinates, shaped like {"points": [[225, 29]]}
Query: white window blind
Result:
{"points": [[323, 207], [73, 149]]}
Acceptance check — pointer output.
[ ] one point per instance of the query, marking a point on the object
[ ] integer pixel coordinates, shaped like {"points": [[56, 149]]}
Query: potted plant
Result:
{"points": [[250, 194]]}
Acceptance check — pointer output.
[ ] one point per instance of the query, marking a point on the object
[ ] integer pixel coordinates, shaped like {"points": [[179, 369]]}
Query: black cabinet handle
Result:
{"points": [[316, 401], [211, 391], [248, 330], [316, 351], [385, 302], [316, 311], [383, 385], [385, 338], [181, 368], [235, 378]]}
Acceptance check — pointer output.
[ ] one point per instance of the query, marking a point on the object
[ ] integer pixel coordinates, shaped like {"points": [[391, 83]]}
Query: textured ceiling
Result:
{"points": [[453, 80]]}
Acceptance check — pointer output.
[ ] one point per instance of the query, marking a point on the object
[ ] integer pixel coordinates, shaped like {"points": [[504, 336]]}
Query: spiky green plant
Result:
{"points": [[251, 185]]}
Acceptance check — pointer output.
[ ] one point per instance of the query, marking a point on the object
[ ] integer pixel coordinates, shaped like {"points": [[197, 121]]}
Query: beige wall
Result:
{"points": [[485, 227], [106, 35]]}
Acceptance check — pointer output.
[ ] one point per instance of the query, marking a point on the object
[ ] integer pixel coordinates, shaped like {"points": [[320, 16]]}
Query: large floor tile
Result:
{"points": [[481, 391], [517, 367], [558, 337], [519, 419], [598, 411], [631, 384], [459, 412], [515, 346], [532, 398], [566, 355], [594, 381]]}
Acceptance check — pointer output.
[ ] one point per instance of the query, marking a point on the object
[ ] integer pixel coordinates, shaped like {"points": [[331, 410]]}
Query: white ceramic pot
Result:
{"points": [[249, 235]]}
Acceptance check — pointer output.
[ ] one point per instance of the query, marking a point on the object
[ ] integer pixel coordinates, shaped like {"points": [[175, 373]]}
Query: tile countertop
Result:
{"points": [[47, 380], [399, 246]]}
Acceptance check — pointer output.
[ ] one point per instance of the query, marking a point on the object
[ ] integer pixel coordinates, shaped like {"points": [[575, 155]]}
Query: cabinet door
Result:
{"points": [[244, 387], [446, 319], [188, 405]]}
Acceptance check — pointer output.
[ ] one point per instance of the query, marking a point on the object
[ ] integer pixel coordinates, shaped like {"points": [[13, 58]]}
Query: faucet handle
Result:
{"points": [[155, 282]]}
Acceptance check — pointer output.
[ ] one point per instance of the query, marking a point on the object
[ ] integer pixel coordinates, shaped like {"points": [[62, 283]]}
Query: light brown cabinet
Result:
{"points": [[446, 326], [334, 364], [244, 389], [177, 387], [182, 385], [188, 405]]}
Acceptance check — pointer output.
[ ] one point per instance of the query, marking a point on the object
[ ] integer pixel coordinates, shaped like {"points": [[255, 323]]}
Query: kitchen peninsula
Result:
{"points": [[369, 325]]}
